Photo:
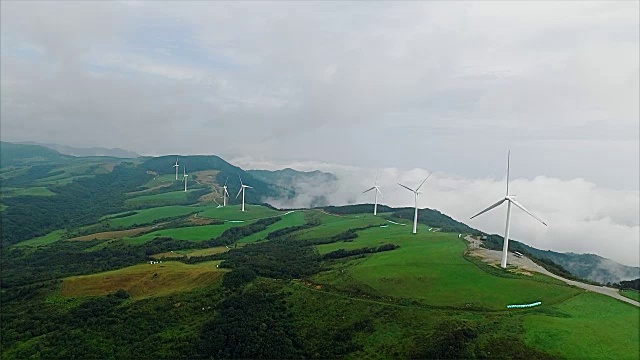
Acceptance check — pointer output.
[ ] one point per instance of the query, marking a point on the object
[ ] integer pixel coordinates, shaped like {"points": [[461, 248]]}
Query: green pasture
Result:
{"points": [[430, 267], [232, 212], [631, 294], [192, 233], [169, 198], [165, 179], [30, 191], [292, 219], [333, 225], [146, 216], [587, 326], [43, 240]]}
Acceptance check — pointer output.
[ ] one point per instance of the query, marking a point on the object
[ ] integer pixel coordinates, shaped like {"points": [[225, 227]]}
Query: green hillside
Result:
{"points": [[82, 242]]}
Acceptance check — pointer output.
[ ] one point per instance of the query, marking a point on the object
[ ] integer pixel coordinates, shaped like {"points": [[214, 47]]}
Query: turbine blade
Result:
{"points": [[240, 179], [423, 181], [368, 190], [406, 187], [508, 165], [527, 211], [489, 208], [247, 186], [226, 192], [239, 191], [225, 182], [379, 192]]}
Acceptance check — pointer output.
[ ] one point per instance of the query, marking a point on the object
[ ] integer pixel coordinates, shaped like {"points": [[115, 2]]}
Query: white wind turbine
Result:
{"points": [[176, 166], [184, 178], [416, 192], [377, 188], [510, 199], [242, 187], [225, 193]]}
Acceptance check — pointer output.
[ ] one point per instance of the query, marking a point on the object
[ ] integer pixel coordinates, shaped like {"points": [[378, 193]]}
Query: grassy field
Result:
{"points": [[292, 219], [430, 267], [43, 240], [164, 179], [170, 198], [147, 216], [145, 280], [192, 233], [588, 326], [631, 294], [113, 234], [333, 225], [232, 212], [31, 191], [192, 252]]}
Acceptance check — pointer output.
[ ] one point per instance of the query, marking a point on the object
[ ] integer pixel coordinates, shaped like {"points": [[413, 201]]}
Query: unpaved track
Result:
{"points": [[527, 264]]}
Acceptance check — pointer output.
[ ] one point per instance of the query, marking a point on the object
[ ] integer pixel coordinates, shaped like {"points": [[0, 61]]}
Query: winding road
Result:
{"points": [[527, 264]]}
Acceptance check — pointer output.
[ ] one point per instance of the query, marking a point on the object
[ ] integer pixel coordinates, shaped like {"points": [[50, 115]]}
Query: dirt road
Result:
{"points": [[493, 256]]}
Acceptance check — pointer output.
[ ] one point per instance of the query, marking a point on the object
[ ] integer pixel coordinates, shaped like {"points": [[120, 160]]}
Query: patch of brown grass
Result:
{"points": [[145, 280], [107, 235], [192, 253]]}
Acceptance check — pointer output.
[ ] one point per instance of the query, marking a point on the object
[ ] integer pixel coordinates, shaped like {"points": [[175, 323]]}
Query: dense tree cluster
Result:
{"points": [[238, 278], [631, 284], [255, 324], [280, 259], [342, 253]]}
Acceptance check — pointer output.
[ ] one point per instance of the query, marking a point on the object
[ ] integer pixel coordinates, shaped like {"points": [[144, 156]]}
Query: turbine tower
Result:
{"points": [[242, 187], [225, 193], [416, 192], [510, 199], [377, 188], [184, 178], [176, 166]]}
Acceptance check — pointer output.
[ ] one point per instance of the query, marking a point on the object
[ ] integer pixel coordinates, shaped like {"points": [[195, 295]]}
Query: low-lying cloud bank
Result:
{"points": [[582, 217]]}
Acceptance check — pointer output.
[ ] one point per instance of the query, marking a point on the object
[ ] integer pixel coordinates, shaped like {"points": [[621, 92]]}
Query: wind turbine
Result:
{"points": [[176, 166], [377, 188], [416, 192], [242, 187], [510, 199], [225, 193], [184, 178]]}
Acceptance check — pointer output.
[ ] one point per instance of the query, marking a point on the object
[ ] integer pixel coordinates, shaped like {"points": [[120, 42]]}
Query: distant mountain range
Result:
{"points": [[310, 184], [92, 151]]}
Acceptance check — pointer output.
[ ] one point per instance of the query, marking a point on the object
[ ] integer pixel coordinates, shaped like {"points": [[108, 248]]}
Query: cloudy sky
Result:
{"points": [[443, 86]]}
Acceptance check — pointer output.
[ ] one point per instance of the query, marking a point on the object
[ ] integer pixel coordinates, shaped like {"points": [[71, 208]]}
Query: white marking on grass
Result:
{"points": [[393, 222]]}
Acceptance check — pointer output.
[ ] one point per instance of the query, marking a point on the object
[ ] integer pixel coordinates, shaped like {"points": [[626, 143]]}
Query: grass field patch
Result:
{"points": [[192, 252], [144, 280], [430, 267], [631, 294], [232, 212], [113, 234], [43, 240], [169, 198], [593, 326], [191, 233]]}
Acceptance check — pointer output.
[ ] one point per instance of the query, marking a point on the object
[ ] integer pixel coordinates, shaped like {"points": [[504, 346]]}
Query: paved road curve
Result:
{"points": [[528, 264]]}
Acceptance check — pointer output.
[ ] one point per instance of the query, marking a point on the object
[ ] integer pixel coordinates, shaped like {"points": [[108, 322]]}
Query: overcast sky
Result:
{"points": [[442, 86]]}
